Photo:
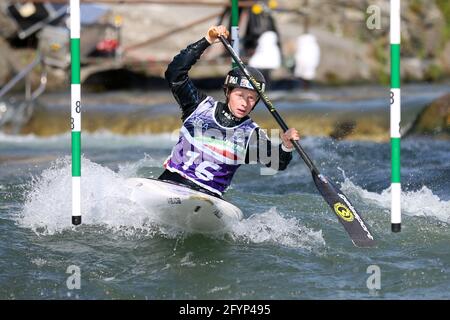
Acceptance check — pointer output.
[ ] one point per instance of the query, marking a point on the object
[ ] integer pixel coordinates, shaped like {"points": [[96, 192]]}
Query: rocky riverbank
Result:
{"points": [[351, 52], [346, 113], [433, 120]]}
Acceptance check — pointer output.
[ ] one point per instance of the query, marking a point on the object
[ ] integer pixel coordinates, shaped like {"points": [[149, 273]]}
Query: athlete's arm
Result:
{"points": [[286, 137], [183, 89], [256, 152]]}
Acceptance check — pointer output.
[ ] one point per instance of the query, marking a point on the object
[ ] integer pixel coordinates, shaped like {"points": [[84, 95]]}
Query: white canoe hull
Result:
{"points": [[181, 207]]}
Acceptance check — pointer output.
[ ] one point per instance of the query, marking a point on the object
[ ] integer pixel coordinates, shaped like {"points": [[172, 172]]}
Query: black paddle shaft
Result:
{"points": [[269, 105]]}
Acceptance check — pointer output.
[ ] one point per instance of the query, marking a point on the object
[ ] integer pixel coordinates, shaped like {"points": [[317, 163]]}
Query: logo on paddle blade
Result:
{"points": [[344, 212]]}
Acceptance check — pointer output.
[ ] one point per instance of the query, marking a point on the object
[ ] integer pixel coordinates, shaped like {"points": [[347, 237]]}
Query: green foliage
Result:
{"points": [[416, 6], [383, 77], [434, 72], [444, 6], [381, 54], [332, 78]]}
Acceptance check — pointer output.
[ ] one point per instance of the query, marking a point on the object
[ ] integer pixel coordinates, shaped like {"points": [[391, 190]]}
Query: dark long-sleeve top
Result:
{"points": [[189, 97]]}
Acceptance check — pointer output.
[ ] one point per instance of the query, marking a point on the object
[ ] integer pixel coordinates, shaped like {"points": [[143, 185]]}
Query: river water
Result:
{"points": [[289, 245]]}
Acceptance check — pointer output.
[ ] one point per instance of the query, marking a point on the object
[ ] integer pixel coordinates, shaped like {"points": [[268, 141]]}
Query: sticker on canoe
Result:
{"points": [[174, 200]]}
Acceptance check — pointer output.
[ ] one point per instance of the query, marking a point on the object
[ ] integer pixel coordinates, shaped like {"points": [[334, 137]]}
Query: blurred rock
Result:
{"points": [[343, 129], [5, 69], [7, 26], [350, 51], [412, 69], [433, 119], [445, 58], [337, 52]]}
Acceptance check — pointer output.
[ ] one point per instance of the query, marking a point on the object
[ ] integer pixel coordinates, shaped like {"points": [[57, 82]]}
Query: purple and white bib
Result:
{"points": [[206, 152]]}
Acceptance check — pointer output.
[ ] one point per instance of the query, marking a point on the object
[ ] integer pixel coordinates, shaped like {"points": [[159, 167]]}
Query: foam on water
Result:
{"points": [[27, 138], [99, 138], [130, 169], [272, 227], [413, 203], [106, 202], [48, 205]]}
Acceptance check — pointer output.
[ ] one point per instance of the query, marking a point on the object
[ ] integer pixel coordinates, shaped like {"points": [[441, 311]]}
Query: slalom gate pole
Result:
{"points": [[75, 113], [235, 28], [395, 105]]}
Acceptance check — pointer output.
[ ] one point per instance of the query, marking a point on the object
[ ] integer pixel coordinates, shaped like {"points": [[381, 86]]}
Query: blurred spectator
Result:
{"points": [[261, 41], [267, 54], [307, 59], [259, 21]]}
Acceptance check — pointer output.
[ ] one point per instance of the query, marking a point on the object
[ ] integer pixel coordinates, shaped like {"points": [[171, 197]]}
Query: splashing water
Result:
{"points": [[106, 202], [48, 205], [413, 203], [271, 227], [130, 170]]}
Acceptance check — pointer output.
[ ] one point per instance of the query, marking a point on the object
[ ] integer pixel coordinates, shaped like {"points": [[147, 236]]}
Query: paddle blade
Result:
{"points": [[346, 213]]}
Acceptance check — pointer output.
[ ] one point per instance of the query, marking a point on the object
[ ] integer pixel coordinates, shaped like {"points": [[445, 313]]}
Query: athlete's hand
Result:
{"points": [[215, 31], [286, 137]]}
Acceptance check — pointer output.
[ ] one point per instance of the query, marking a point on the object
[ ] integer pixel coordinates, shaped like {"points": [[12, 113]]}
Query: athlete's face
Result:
{"points": [[242, 101]]}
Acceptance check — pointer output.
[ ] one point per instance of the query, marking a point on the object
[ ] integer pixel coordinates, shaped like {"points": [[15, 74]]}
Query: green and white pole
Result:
{"points": [[75, 110], [235, 28], [395, 115]]}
